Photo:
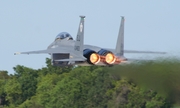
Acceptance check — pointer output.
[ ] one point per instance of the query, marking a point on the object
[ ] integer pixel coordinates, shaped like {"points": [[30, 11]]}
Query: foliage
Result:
{"points": [[139, 85], [162, 76], [3, 78]]}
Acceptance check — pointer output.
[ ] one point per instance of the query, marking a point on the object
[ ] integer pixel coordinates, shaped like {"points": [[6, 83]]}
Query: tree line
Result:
{"points": [[136, 85]]}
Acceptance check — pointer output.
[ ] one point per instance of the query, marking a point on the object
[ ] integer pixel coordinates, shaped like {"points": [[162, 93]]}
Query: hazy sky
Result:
{"points": [[32, 25]]}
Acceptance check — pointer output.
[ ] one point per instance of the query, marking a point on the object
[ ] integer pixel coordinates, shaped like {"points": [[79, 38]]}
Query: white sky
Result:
{"points": [[32, 25]]}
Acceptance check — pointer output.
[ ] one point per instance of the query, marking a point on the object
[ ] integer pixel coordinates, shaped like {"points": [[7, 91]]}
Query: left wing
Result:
{"points": [[75, 51], [53, 50]]}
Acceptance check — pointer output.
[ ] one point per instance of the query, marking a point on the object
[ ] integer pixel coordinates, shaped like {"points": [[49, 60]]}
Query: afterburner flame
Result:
{"points": [[110, 58], [94, 58]]}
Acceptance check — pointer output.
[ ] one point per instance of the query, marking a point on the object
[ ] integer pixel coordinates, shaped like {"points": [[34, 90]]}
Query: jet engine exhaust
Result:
{"points": [[92, 56], [108, 57]]}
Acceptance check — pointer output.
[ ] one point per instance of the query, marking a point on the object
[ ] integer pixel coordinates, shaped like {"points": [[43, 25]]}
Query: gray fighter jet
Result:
{"points": [[65, 51]]}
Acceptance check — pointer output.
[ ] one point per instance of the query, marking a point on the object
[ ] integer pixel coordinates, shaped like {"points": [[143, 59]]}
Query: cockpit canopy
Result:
{"points": [[63, 35]]}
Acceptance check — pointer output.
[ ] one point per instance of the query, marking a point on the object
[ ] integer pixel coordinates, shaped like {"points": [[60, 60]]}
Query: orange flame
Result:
{"points": [[94, 58], [110, 58]]}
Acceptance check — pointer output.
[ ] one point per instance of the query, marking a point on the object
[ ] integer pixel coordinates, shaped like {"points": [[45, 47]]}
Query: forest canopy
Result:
{"points": [[145, 84]]}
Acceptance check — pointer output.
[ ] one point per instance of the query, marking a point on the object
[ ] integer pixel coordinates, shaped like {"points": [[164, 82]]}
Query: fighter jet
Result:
{"points": [[65, 51]]}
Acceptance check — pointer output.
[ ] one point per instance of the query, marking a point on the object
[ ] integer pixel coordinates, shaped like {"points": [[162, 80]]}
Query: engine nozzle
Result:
{"points": [[110, 58], [94, 58]]}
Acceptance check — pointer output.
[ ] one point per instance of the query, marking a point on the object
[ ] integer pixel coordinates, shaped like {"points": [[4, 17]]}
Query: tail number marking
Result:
{"points": [[77, 48], [81, 27]]}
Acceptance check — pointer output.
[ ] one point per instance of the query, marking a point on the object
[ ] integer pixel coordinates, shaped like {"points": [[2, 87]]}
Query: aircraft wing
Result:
{"points": [[76, 51], [152, 52], [53, 50], [135, 51], [76, 55]]}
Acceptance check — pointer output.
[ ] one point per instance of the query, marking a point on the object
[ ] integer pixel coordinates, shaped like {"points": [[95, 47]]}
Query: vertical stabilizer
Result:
{"points": [[120, 40], [80, 36]]}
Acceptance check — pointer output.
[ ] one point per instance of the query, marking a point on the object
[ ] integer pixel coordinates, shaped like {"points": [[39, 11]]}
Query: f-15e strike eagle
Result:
{"points": [[65, 51]]}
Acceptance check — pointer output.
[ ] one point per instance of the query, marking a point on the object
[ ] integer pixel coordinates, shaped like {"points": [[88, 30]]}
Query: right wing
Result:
{"points": [[119, 50], [151, 52], [136, 51]]}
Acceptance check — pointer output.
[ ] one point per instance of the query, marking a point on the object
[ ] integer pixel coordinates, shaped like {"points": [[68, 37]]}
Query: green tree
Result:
{"points": [[3, 79], [53, 69], [27, 78], [13, 91], [87, 87]]}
